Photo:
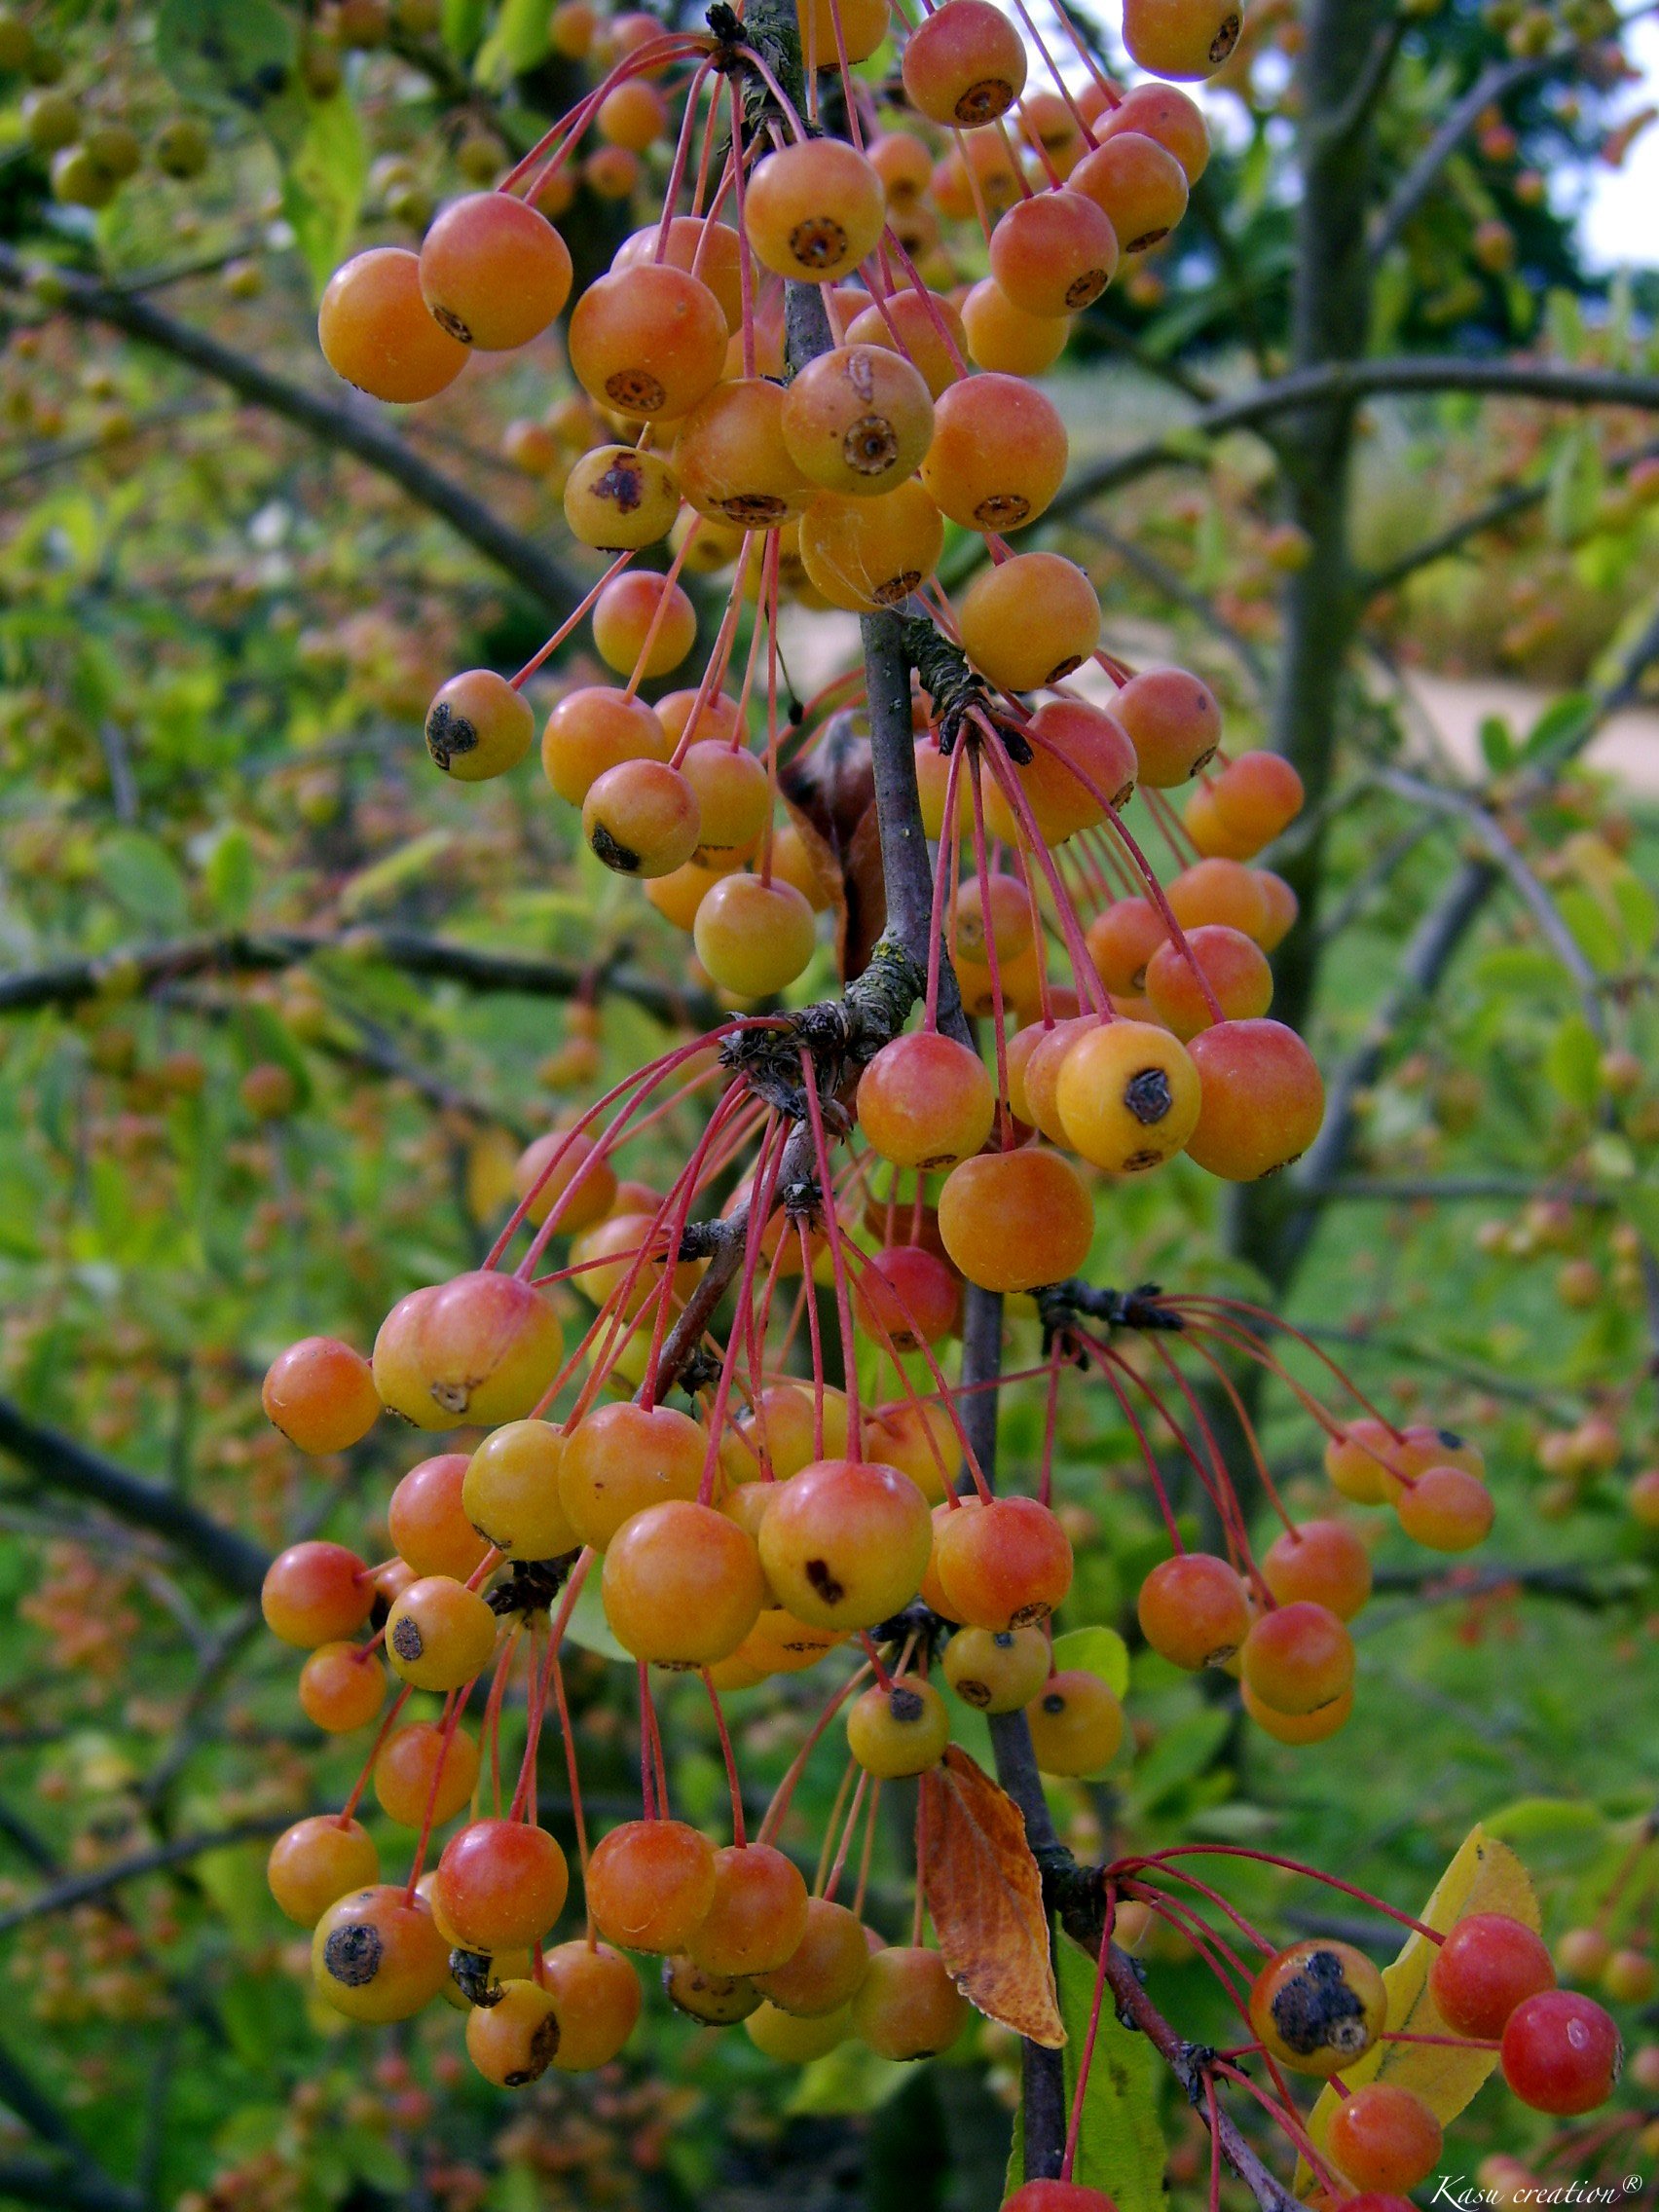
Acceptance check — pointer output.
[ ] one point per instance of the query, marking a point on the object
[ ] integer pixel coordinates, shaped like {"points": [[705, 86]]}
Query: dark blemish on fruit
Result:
{"points": [[818, 242], [1225, 39], [636, 391], [406, 1639], [1054, 1702], [447, 319], [623, 484], [449, 734], [613, 854], [870, 445], [352, 1954], [904, 1705], [818, 1574], [1148, 1095], [984, 102], [1317, 2010]]}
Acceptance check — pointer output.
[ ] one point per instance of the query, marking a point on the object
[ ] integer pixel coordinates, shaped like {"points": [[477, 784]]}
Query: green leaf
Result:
{"points": [[323, 186], [1560, 725], [1574, 485], [1497, 743], [1594, 931], [1120, 2147], [234, 54], [1549, 1832], [1098, 1651], [1638, 911], [144, 879], [518, 42], [849, 2079], [589, 1627], [1180, 1752], [230, 873], [1573, 1062]]}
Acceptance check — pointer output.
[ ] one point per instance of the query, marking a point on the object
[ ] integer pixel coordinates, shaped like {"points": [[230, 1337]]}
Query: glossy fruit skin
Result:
{"points": [[439, 1634], [478, 726], [500, 1885], [1487, 1966], [792, 2038], [865, 554], [321, 1395], [376, 333], [1127, 1095], [899, 1731], [1237, 970], [494, 272], [1004, 1566], [998, 455], [1004, 339], [907, 1296], [713, 252], [641, 819], [814, 211], [1318, 2005], [1297, 1657], [377, 1955], [1030, 621], [758, 1916], [682, 1585], [651, 1884], [513, 2041], [593, 730], [1181, 38], [510, 1491], [409, 1760], [845, 1543], [1561, 2053], [1263, 1099], [964, 65], [1171, 117], [616, 500], [858, 419], [1194, 1611], [597, 1996], [908, 2006], [318, 1861], [316, 1593], [1053, 254], [996, 1671], [827, 1968], [1173, 721], [481, 1348], [1323, 1560], [926, 1101], [1075, 1724], [1041, 1202], [342, 1688], [427, 1520], [649, 341], [1297, 1727], [754, 938], [1361, 1461], [1047, 2196], [1139, 185], [1385, 2138], [619, 1459]]}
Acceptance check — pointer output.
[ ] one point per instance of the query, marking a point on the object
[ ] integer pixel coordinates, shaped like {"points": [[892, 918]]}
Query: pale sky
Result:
{"points": [[1621, 220]]}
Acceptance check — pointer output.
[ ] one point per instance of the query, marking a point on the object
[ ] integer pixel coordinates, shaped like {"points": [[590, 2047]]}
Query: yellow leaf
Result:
{"points": [[1485, 1876]]}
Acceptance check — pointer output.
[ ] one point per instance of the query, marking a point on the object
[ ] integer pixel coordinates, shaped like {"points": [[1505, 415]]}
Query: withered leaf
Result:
{"points": [[986, 1895]]}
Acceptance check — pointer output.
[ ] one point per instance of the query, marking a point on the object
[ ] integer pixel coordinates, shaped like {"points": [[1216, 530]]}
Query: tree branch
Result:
{"points": [[344, 425], [83, 1888], [57, 1460]]}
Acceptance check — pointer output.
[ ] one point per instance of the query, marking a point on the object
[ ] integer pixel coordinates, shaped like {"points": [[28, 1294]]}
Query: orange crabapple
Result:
{"points": [[1171, 115], [618, 501], [500, 1885], [1005, 1565], [734, 799], [377, 1954], [428, 1518], [651, 1884], [1181, 38], [649, 341], [1297, 1727], [342, 1688], [1234, 966], [1123, 938], [998, 455], [1486, 1964], [1138, 184], [632, 115], [1445, 1509], [1075, 1724], [826, 1968], [682, 1585], [322, 1394], [638, 607], [1054, 253], [1297, 1657], [845, 1543], [641, 818], [903, 165], [908, 1295], [1173, 722], [1071, 739], [1127, 1095], [1261, 1099], [732, 460], [439, 1634], [1194, 1611], [494, 272], [1383, 2137], [375, 332], [481, 1348], [927, 328], [316, 1593], [1256, 798], [814, 210], [1015, 1220], [865, 554], [318, 1861], [1561, 2053], [992, 910], [1324, 1561], [917, 1437], [864, 25], [424, 1766], [1318, 2005], [964, 65], [619, 1459], [898, 1729], [478, 726], [996, 1670], [758, 1916], [1030, 621], [716, 1999], [924, 1100], [755, 937], [1365, 1461], [513, 2041], [858, 419], [794, 2040], [710, 251], [908, 2006], [565, 1160], [596, 1998], [1006, 339]]}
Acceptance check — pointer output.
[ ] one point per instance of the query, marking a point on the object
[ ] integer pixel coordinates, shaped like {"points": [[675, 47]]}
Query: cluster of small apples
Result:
{"points": [[92, 152]]}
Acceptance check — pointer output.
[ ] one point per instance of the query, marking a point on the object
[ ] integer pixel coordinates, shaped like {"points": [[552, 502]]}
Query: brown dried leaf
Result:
{"points": [[986, 1896]]}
